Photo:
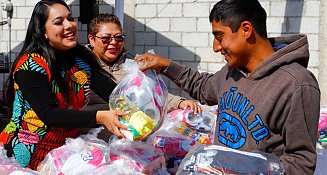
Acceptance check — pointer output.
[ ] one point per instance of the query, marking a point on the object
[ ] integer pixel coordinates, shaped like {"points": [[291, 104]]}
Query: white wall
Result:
{"points": [[180, 29]]}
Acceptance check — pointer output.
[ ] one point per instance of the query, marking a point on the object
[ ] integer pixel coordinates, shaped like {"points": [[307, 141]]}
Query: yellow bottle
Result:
{"points": [[142, 123]]}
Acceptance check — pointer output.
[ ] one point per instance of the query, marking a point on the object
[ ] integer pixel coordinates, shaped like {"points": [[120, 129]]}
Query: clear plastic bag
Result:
{"points": [[79, 155], [215, 159], [199, 127], [322, 126], [10, 166], [174, 146], [140, 157], [144, 96], [321, 168]]}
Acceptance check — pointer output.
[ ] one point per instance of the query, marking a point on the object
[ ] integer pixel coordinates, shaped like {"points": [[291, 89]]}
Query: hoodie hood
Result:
{"points": [[289, 49]]}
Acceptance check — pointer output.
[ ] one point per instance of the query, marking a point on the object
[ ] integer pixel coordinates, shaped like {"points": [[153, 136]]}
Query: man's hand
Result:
{"points": [[149, 61], [195, 107]]}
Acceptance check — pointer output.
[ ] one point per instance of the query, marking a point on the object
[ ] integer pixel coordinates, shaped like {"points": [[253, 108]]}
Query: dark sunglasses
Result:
{"points": [[108, 39]]}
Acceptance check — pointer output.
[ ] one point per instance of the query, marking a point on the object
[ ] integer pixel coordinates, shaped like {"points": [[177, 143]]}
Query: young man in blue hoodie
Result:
{"points": [[267, 98]]}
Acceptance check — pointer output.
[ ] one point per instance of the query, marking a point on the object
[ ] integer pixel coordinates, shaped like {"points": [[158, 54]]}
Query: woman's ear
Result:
{"points": [[46, 36], [91, 39]]}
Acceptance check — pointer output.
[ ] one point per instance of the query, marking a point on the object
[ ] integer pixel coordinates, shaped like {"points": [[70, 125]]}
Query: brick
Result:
{"points": [[207, 55], [16, 46], [158, 50], [170, 10], [203, 25], [182, 53], [31, 2], [158, 1], [157, 24], [145, 38], [312, 8], [183, 24], [18, 24], [148, 11], [276, 24], [214, 67], [313, 42], [198, 10], [139, 25], [18, 3], [169, 39], [24, 12], [314, 59], [195, 39], [139, 49], [306, 25], [315, 72], [20, 35], [266, 6]]}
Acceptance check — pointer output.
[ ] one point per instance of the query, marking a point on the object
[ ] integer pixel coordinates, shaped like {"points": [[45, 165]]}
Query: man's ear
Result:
{"points": [[247, 29]]}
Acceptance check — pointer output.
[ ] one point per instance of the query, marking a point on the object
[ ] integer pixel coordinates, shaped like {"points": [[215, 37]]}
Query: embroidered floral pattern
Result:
{"points": [[33, 121], [25, 131], [80, 77], [27, 137]]}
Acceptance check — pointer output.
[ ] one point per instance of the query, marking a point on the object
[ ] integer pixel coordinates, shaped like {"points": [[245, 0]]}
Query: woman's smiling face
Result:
{"points": [[61, 28], [108, 42]]}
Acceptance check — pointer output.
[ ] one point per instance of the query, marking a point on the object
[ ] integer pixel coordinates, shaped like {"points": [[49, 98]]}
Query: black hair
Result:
{"points": [[232, 13], [35, 41], [101, 19]]}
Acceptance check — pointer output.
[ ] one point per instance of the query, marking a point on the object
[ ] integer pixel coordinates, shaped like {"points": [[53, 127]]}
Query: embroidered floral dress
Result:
{"points": [[26, 137]]}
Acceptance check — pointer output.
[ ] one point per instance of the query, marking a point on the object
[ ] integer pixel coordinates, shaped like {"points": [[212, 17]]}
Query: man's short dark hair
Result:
{"points": [[232, 13]]}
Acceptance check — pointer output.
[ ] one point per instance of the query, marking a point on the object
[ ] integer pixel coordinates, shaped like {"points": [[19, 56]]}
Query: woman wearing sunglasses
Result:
{"points": [[107, 43]]}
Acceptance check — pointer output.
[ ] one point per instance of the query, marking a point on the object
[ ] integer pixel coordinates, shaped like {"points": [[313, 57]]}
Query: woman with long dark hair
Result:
{"points": [[49, 84]]}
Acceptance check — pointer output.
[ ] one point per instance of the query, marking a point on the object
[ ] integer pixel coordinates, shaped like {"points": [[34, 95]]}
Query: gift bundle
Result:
{"points": [[144, 96], [214, 159]]}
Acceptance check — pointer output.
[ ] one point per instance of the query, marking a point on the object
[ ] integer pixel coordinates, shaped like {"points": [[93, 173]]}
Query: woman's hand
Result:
{"points": [[149, 61], [195, 107], [110, 119]]}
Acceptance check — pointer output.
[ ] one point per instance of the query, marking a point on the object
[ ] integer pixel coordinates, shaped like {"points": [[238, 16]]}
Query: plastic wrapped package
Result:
{"points": [[321, 168], [141, 157], [10, 166], [116, 168], [322, 126], [213, 159], [144, 96], [170, 143], [199, 127], [79, 155], [174, 146]]}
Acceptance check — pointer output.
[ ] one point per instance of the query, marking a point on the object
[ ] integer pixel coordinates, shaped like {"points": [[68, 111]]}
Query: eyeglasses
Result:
{"points": [[108, 39]]}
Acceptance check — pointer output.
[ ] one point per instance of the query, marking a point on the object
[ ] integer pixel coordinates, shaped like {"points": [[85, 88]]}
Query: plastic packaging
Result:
{"points": [[215, 159], [144, 96], [10, 166], [199, 127], [141, 157], [322, 126], [78, 155], [174, 146]]}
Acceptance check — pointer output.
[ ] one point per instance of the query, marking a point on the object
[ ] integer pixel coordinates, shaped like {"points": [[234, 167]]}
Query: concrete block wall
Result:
{"points": [[179, 29]]}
